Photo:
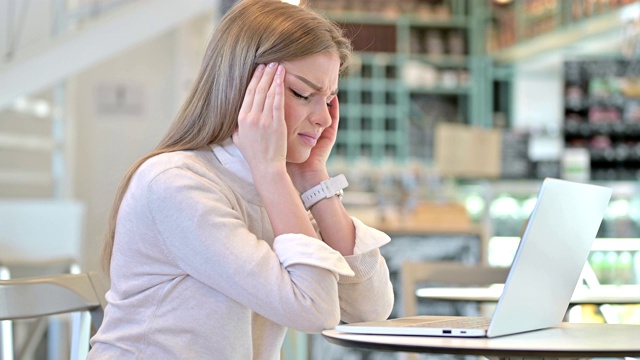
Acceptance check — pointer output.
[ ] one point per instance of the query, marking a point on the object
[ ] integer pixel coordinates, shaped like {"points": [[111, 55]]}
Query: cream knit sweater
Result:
{"points": [[197, 274]]}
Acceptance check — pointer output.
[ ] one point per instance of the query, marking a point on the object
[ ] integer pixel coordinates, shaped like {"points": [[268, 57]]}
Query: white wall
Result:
{"points": [[537, 94], [25, 24], [112, 134]]}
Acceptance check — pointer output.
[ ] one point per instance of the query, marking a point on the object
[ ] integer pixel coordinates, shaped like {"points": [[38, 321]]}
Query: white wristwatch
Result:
{"points": [[324, 190]]}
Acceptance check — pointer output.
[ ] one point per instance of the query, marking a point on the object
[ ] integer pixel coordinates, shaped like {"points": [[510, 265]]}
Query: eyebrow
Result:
{"points": [[312, 84]]}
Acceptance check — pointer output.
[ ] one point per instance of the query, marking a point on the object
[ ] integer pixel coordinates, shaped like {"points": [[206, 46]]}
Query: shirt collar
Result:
{"points": [[231, 158]]}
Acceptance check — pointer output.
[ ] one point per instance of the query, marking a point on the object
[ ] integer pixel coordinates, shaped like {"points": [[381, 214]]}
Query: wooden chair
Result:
{"points": [[445, 273], [79, 294]]}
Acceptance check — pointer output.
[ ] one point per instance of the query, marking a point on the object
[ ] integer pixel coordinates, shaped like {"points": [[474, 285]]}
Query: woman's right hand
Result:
{"points": [[262, 138], [262, 132]]}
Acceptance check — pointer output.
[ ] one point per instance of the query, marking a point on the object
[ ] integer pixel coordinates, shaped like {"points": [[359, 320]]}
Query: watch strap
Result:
{"points": [[325, 190]]}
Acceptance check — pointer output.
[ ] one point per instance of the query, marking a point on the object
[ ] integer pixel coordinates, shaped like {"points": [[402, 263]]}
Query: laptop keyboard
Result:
{"points": [[462, 323]]}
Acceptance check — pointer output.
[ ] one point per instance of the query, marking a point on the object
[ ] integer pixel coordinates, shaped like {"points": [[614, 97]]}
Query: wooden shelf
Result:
{"points": [[568, 36]]}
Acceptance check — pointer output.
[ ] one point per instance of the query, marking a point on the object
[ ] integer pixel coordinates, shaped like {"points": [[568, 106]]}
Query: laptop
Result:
{"points": [[555, 244]]}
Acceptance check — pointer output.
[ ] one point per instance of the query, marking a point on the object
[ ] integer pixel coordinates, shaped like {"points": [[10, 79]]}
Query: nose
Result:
{"points": [[321, 116]]}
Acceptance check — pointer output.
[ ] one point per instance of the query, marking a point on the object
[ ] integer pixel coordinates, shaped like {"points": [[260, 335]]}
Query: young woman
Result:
{"points": [[232, 230]]}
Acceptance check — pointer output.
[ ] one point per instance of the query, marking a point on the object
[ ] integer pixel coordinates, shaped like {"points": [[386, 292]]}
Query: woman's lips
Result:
{"points": [[309, 139]]}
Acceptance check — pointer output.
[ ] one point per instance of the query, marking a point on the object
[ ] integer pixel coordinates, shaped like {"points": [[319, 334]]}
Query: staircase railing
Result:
{"points": [[26, 24]]}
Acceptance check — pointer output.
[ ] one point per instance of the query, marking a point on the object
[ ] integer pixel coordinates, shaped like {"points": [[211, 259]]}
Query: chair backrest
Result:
{"points": [[18, 269], [27, 334], [81, 294], [444, 273], [38, 237]]}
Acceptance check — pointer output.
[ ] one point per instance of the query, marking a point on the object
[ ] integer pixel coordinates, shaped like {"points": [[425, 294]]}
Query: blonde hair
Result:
{"points": [[252, 32]]}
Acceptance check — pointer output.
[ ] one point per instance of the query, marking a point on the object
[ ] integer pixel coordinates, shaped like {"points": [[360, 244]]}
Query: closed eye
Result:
{"points": [[298, 95], [302, 97], [329, 104]]}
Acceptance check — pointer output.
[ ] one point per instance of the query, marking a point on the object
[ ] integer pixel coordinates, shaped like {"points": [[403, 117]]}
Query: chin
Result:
{"points": [[298, 158]]}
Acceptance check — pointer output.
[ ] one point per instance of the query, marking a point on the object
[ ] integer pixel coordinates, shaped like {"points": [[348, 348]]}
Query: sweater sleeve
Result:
{"points": [[202, 233], [367, 296]]}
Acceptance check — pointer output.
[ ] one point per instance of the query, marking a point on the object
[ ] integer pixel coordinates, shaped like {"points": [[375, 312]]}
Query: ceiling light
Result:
{"points": [[41, 108]]}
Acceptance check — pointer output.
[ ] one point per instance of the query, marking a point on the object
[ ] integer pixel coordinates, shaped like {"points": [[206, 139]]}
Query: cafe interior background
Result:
{"points": [[452, 113]]}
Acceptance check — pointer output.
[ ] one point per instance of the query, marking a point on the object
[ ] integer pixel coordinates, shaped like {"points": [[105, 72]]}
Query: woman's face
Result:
{"points": [[310, 83]]}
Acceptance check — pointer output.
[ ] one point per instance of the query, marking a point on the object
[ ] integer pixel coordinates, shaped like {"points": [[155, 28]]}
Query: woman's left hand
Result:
{"points": [[314, 169]]}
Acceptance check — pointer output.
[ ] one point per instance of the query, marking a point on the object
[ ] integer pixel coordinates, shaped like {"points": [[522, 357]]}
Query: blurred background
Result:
{"points": [[452, 113]]}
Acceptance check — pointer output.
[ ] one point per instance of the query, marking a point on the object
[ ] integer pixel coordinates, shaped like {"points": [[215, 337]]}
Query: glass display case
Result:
{"points": [[504, 207]]}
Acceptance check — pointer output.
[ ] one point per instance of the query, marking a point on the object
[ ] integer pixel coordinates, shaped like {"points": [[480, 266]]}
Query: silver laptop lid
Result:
{"points": [[554, 248]]}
